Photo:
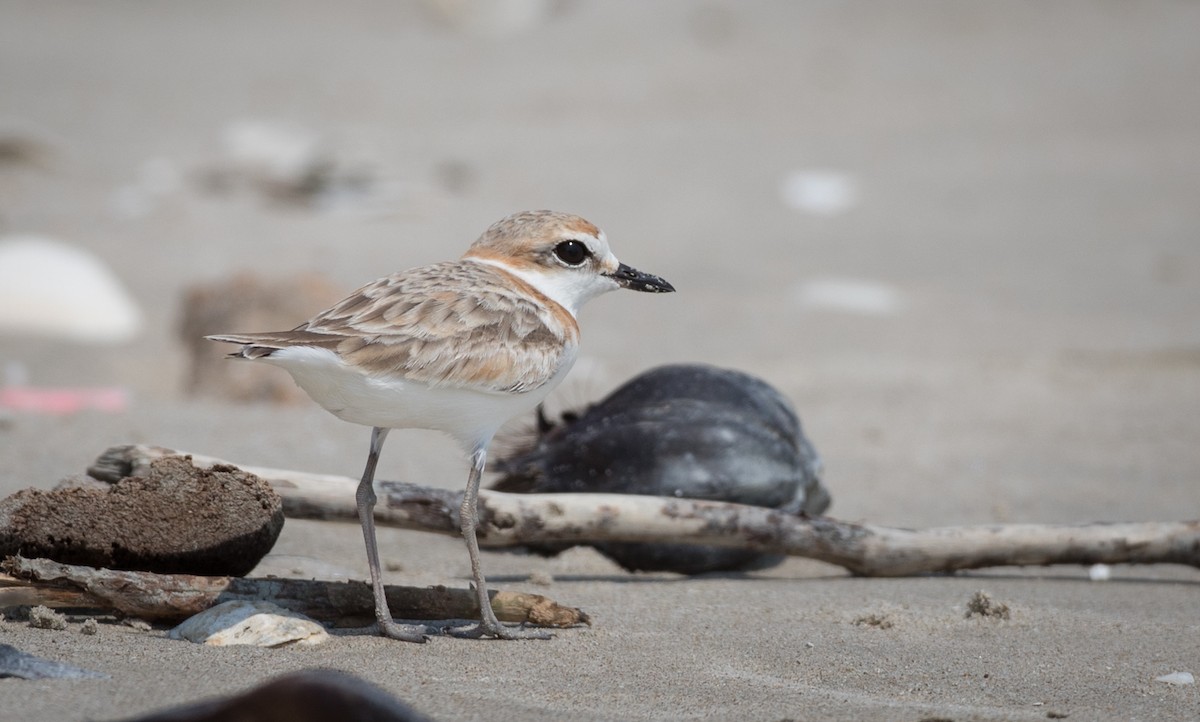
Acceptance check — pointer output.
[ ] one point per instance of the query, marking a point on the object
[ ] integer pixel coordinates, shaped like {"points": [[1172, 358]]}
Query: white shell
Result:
{"points": [[49, 288], [257, 623]]}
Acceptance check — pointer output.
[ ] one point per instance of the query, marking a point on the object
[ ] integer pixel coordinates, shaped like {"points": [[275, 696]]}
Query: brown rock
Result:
{"points": [[176, 519], [246, 302]]}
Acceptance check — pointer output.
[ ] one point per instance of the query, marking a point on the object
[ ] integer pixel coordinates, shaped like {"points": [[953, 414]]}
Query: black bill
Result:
{"points": [[635, 280]]}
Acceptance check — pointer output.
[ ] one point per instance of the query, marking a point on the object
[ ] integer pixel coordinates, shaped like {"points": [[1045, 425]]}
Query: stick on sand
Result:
{"points": [[862, 549], [171, 597]]}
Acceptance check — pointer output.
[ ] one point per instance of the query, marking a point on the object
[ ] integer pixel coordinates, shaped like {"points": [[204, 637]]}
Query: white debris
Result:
{"points": [[850, 295], [274, 153], [256, 623], [50, 288], [157, 179], [1099, 572], [280, 161], [1177, 678], [819, 192]]}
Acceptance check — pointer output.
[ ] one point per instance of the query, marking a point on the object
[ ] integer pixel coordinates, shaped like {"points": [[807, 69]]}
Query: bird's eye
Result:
{"points": [[572, 253]]}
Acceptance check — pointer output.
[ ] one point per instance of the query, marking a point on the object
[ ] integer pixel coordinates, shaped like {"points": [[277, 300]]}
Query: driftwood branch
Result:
{"points": [[516, 519], [171, 597]]}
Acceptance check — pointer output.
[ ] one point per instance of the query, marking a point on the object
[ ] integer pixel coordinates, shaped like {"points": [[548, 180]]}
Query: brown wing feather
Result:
{"points": [[500, 335]]}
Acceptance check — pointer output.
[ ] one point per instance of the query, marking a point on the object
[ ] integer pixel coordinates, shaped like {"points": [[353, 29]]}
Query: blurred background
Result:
{"points": [[964, 238]]}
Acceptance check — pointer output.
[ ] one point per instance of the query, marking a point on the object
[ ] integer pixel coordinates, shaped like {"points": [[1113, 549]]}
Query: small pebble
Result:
{"points": [[89, 626], [879, 621], [984, 606], [45, 618], [1099, 572], [1177, 678], [542, 579]]}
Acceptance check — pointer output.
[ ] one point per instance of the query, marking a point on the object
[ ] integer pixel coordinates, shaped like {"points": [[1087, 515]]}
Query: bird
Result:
{"points": [[458, 347]]}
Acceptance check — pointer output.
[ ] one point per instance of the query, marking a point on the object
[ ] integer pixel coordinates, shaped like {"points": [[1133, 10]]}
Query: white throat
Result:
{"points": [[567, 289]]}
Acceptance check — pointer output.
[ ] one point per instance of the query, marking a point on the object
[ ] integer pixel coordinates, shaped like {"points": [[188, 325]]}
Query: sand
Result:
{"points": [[986, 313]]}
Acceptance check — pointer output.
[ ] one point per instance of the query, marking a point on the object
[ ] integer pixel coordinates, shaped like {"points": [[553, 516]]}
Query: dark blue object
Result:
{"points": [[691, 431]]}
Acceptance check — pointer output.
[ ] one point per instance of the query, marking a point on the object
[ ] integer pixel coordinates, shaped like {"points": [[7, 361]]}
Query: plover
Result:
{"points": [[458, 347]]}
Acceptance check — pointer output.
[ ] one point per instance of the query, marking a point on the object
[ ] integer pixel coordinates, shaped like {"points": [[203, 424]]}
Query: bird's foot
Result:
{"points": [[499, 631], [417, 633]]}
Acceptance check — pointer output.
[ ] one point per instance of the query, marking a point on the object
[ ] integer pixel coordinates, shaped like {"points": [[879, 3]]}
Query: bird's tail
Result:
{"points": [[254, 346], [261, 345]]}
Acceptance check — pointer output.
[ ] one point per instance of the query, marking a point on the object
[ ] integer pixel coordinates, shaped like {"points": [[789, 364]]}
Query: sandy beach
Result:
{"points": [[961, 238]]}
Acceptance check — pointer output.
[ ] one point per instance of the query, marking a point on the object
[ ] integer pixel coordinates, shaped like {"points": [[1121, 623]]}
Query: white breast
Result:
{"points": [[470, 416]]}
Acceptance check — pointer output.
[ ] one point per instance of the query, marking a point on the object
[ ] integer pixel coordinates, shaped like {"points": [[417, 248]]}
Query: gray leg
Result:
{"points": [[468, 519], [366, 515]]}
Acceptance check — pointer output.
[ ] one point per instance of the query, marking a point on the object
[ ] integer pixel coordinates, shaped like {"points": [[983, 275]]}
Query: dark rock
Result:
{"points": [[685, 431], [178, 519], [308, 696]]}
